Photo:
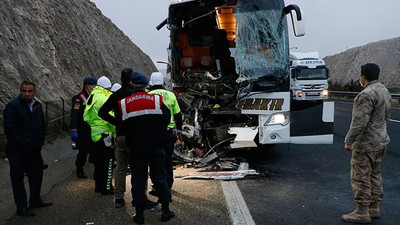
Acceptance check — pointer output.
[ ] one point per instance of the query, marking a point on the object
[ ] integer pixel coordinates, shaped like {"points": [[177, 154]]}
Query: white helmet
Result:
{"points": [[115, 87], [157, 78], [104, 82]]}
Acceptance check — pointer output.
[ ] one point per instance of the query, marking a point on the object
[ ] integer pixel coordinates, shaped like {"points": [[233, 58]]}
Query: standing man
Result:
{"points": [[80, 130], [121, 150], [174, 129], [146, 118], [102, 134], [367, 139], [24, 127]]}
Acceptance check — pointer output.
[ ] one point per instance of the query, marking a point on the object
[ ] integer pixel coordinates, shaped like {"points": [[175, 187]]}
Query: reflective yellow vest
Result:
{"points": [[98, 126], [169, 99]]}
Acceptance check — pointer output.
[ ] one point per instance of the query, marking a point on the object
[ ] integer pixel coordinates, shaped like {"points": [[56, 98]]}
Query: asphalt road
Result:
{"points": [[309, 184], [304, 184]]}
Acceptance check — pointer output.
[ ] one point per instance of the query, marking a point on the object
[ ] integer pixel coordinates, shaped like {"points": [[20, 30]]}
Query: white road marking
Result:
{"points": [[238, 211], [396, 121]]}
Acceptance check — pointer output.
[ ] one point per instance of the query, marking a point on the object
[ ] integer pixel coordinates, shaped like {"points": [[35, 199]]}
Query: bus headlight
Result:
{"points": [[278, 118]]}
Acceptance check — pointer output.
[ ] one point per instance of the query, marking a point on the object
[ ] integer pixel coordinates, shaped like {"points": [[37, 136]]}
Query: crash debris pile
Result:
{"points": [[221, 169]]}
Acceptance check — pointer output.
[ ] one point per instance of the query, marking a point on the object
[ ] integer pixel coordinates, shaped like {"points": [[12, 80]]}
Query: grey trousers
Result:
{"points": [[122, 158]]}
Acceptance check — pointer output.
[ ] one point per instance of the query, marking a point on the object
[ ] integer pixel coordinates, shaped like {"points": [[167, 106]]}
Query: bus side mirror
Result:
{"points": [[297, 17]]}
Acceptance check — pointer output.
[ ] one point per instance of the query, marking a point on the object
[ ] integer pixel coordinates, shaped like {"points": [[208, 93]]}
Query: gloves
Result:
{"points": [[108, 140], [179, 134], [74, 136]]}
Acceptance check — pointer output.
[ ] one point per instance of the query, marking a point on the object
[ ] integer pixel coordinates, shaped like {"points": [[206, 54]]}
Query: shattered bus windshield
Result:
{"points": [[261, 40]]}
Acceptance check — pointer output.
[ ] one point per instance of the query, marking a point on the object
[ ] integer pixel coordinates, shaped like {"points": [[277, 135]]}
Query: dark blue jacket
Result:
{"points": [[145, 129], [25, 130], [77, 122]]}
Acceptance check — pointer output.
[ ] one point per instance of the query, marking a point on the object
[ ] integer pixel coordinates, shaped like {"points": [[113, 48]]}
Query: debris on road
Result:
{"points": [[218, 168], [224, 169], [204, 161], [221, 175]]}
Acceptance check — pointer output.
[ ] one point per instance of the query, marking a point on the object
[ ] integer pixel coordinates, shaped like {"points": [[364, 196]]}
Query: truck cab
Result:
{"points": [[308, 76]]}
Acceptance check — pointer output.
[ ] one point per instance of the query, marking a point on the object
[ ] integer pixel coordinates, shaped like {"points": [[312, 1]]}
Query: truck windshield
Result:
{"points": [[261, 40], [312, 74]]}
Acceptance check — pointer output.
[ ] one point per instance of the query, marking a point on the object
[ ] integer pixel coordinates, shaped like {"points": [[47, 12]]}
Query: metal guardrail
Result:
{"points": [[349, 95], [354, 94]]}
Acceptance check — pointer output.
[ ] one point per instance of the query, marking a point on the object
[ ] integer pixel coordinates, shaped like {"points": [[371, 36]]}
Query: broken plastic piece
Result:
{"points": [[243, 166], [221, 175], [208, 159]]}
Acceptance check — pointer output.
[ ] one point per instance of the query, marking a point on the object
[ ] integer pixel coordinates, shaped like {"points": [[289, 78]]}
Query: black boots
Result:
{"points": [[119, 202], [139, 217], [40, 204], [80, 174], [25, 211], [150, 204], [166, 213]]}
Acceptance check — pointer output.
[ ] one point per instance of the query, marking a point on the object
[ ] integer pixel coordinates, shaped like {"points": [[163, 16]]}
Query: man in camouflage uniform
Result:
{"points": [[367, 139]]}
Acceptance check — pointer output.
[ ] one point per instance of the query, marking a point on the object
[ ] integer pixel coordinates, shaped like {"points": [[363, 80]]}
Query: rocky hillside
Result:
{"points": [[56, 43], [345, 66]]}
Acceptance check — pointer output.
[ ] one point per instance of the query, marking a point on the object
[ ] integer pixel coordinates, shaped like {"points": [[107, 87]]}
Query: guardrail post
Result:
{"points": [[47, 113], [63, 113]]}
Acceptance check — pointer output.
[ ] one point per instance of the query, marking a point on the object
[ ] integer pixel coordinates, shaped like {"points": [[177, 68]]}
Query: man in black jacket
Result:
{"points": [[24, 127], [121, 151], [80, 130]]}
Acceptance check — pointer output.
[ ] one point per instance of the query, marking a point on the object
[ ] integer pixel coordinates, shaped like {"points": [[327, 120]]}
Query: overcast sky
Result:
{"points": [[332, 26]]}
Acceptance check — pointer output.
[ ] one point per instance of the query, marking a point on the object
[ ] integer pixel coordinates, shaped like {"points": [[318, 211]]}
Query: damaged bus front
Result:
{"points": [[229, 65]]}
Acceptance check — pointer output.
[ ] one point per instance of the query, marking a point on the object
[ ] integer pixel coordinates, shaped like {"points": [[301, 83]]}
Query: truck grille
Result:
{"points": [[312, 87]]}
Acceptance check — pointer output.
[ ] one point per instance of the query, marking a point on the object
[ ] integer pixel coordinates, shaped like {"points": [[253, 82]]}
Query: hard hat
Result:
{"points": [[115, 87], [104, 82], [157, 78]]}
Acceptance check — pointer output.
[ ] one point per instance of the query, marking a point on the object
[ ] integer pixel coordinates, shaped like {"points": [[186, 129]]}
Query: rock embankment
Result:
{"points": [[345, 67], [57, 43]]}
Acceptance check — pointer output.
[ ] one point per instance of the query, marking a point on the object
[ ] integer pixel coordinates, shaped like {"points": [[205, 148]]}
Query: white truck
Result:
{"points": [[308, 76], [229, 64]]}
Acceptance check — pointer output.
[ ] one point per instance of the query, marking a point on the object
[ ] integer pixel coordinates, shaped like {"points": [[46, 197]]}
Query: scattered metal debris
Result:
{"points": [[223, 169], [221, 175], [225, 165], [188, 165], [209, 158]]}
